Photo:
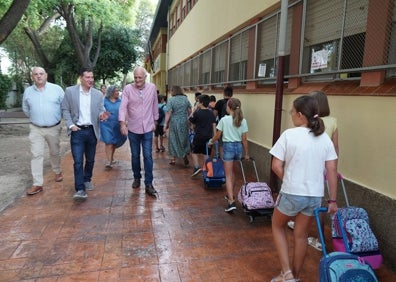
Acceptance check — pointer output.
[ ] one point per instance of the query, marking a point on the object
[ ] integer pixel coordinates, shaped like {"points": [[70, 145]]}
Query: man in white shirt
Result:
{"points": [[82, 110]]}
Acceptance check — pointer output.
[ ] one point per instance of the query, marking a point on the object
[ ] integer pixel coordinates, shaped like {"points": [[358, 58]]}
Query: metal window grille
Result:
{"points": [[195, 71], [187, 73], [334, 35], [333, 46], [206, 64], [239, 46], [219, 62]]}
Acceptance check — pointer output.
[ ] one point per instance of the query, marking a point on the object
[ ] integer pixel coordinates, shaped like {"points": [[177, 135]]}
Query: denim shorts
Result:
{"points": [[232, 151], [291, 205]]}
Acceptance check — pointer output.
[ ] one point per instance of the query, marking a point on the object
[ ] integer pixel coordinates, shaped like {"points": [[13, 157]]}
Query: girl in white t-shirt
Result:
{"points": [[233, 130], [300, 156]]}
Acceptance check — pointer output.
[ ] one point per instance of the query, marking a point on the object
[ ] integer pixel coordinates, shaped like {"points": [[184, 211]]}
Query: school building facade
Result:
{"points": [[269, 50]]}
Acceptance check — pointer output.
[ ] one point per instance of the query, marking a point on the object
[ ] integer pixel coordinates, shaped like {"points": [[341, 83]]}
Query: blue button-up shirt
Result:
{"points": [[43, 107]]}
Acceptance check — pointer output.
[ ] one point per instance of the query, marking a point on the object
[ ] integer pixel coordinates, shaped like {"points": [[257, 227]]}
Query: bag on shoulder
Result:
{"points": [[161, 114]]}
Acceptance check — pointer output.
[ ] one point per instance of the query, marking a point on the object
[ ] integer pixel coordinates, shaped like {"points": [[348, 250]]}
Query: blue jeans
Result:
{"points": [[144, 141], [83, 143], [232, 151]]}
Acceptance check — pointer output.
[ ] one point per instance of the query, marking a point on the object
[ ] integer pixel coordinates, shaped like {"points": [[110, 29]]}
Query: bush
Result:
{"points": [[19, 91], [5, 86]]}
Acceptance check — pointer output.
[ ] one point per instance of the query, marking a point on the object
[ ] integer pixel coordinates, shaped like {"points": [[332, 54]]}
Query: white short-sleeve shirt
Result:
{"points": [[304, 156]]}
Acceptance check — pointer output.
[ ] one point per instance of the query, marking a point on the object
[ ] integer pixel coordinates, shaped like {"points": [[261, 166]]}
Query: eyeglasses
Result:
{"points": [[140, 93]]}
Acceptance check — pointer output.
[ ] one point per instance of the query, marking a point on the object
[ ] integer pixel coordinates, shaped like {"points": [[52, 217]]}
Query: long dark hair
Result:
{"points": [[309, 107], [235, 105], [323, 103]]}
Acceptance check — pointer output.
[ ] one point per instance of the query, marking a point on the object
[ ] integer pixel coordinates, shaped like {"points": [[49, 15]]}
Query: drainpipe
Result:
{"points": [[279, 86]]}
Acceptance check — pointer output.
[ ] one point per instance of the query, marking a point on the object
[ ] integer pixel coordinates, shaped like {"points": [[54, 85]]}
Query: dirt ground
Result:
{"points": [[15, 175]]}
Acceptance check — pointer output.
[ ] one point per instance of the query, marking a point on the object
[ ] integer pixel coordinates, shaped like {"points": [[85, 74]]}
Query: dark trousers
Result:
{"points": [[83, 144]]}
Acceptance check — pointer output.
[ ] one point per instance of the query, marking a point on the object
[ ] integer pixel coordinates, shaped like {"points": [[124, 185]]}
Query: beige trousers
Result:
{"points": [[38, 136]]}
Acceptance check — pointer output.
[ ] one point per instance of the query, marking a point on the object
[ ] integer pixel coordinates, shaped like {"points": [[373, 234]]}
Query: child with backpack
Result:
{"points": [[233, 130], [159, 129], [300, 157], [204, 123]]}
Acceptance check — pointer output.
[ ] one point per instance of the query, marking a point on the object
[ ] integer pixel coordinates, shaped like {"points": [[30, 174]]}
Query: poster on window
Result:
{"points": [[319, 60], [262, 70]]}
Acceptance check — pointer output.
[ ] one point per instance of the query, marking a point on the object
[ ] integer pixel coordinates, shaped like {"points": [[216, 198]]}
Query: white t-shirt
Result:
{"points": [[230, 133], [304, 156]]}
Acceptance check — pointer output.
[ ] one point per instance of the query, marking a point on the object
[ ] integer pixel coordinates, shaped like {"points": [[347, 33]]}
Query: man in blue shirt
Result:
{"points": [[42, 104]]}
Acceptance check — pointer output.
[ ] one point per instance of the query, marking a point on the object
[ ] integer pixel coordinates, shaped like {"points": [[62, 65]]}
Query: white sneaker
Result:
{"points": [[80, 195], [88, 186], [291, 224]]}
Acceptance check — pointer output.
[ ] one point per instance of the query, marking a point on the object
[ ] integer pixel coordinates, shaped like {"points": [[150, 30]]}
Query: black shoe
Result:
{"points": [[150, 190], [185, 159], [196, 171], [230, 207], [136, 183]]}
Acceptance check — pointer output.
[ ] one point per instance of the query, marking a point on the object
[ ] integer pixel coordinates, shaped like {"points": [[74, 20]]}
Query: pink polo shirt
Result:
{"points": [[140, 107]]}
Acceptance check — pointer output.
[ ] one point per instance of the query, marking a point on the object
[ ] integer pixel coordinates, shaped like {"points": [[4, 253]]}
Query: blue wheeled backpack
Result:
{"points": [[340, 266], [343, 267], [213, 169]]}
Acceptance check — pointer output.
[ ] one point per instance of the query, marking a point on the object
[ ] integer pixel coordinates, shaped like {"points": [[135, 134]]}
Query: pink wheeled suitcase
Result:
{"points": [[341, 266], [351, 232], [255, 197]]}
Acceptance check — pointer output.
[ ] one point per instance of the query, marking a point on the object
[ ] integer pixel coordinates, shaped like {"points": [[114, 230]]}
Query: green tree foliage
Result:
{"points": [[118, 52], [143, 21], [63, 35], [10, 13], [5, 86], [67, 66], [84, 18]]}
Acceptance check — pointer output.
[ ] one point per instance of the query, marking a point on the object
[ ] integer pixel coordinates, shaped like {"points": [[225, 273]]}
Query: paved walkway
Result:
{"points": [[120, 234]]}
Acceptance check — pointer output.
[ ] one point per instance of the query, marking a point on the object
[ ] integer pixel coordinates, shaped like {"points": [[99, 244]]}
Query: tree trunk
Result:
{"points": [[82, 46], [12, 17]]}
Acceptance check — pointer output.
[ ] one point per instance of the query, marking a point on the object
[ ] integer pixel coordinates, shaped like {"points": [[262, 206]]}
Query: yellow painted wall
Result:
{"points": [[367, 125], [218, 18], [367, 139], [367, 134]]}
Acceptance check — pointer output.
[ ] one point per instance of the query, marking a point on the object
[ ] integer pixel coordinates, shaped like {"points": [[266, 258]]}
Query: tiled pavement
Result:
{"points": [[120, 234]]}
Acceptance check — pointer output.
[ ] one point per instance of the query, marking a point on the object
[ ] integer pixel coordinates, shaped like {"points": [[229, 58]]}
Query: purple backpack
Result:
{"points": [[256, 195]]}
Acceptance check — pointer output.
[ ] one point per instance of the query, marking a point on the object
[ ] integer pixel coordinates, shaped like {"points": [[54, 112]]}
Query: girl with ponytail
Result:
{"points": [[300, 156], [233, 130]]}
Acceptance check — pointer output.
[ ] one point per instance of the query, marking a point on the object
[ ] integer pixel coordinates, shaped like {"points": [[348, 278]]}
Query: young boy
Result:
{"points": [[204, 123], [159, 130]]}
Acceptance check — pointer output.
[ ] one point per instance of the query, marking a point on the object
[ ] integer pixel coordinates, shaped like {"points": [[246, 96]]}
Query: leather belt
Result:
{"points": [[46, 125], [85, 126]]}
